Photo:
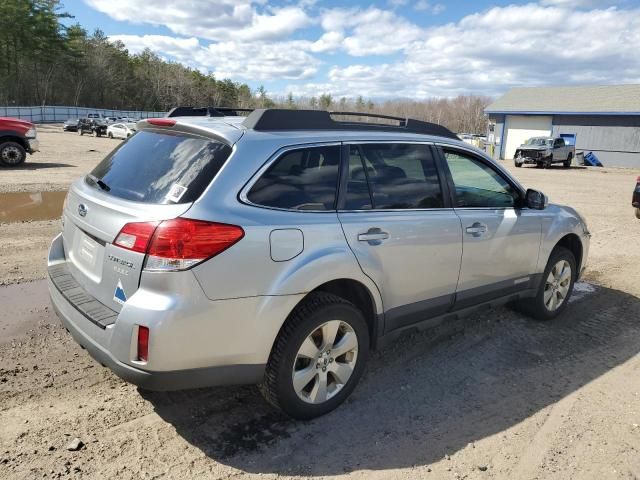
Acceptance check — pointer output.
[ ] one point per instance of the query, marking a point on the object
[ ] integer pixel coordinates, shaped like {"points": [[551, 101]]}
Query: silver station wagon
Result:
{"points": [[280, 247]]}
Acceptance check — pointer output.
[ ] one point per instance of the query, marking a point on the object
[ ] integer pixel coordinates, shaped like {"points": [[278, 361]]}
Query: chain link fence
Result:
{"points": [[58, 114]]}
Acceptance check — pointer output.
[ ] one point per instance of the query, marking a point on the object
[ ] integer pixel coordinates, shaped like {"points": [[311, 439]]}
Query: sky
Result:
{"points": [[385, 49]]}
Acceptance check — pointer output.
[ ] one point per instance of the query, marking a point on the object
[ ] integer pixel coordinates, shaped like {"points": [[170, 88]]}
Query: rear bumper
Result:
{"points": [[110, 340], [158, 381]]}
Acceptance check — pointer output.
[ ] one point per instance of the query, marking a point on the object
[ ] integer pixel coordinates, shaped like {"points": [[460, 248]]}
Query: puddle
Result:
{"points": [[21, 206]]}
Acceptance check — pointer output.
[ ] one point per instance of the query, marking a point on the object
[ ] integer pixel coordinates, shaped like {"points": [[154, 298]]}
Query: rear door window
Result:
{"points": [[392, 176], [302, 179], [160, 167]]}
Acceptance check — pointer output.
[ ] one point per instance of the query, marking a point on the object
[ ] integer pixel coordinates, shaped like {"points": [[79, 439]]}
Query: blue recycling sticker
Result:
{"points": [[119, 296]]}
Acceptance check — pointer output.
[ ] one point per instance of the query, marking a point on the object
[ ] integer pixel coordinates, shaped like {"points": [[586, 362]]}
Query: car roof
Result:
{"points": [[231, 129]]}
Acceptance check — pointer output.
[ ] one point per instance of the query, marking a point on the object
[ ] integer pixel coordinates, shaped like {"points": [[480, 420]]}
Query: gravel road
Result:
{"points": [[493, 396]]}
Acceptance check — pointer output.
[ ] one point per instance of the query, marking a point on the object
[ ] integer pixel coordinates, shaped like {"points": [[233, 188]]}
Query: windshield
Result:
{"points": [[161, 168], [539, 141]]}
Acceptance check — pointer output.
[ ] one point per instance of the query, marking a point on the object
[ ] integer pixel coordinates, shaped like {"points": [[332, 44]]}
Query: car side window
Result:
{"points": [[559, 142], [392, 176], [477, 184], [303, 179]]}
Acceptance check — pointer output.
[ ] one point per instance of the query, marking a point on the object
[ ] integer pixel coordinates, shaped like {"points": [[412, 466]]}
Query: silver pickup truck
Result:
{"points": [[544, 151]]}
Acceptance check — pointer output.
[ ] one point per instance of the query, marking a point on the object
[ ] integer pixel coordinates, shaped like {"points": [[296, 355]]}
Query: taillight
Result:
{"points": [[179, 243], [136, 236], [143, 343]]}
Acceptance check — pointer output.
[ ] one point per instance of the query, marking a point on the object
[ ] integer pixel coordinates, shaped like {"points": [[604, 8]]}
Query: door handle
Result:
{"points": [[477, 229], [374, 234]]}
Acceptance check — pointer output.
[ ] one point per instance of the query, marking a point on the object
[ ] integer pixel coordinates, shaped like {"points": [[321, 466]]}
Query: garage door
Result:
{"points": [[519, 128]]}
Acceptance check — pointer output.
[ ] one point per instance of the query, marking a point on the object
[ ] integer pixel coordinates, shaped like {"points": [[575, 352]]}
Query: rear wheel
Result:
{"points": [[567, 162], [12, 154], [555, 288], [318, 357]]}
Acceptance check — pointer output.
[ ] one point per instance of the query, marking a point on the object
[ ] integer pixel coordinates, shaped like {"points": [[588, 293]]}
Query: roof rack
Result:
{"points": [[207, 111], [274, 119]]}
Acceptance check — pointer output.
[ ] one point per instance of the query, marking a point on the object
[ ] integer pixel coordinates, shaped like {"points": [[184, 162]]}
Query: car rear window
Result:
{"points": [[160, 167]]}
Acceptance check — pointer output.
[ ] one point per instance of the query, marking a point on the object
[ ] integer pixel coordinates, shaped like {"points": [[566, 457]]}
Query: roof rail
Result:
{"points": [[274, 119], [206, 111]]}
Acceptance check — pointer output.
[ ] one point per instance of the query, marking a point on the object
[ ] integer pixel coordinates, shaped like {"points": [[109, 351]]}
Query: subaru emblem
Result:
{"points": [[82, 210]]}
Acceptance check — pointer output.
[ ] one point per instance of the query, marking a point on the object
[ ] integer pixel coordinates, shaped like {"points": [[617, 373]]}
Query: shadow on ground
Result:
{"points": [[428, 395], [37, 165]]}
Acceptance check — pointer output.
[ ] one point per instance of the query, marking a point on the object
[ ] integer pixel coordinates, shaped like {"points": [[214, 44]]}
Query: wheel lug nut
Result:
{"points": [[324, 369], [331, 360]]}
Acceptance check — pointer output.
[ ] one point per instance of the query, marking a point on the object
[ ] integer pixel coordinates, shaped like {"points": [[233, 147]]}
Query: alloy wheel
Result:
{"points": [[325, 361], [557, 285]]}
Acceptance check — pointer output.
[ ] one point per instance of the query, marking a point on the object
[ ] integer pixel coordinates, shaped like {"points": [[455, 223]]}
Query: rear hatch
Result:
{"points": [[156, 175]]}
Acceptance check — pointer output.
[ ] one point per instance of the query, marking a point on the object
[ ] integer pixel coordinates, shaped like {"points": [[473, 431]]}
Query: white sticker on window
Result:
{"points": [[176, 193]]}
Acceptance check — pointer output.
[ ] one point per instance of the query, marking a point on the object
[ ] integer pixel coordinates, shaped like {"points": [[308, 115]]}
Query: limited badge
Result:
{"points": [[119, 296], [176, 193]]}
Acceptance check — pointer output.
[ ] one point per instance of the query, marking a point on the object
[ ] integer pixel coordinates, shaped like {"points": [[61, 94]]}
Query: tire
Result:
{"points": [[539, 165], [548, 162], [110, 135], [12, 154], [302, 331], [567, 162], [637, 212], [80, 132], [536, 307], [518, 165]]}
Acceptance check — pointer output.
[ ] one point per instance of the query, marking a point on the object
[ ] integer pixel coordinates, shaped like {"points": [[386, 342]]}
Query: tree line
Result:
{"points": [[44, 61]]}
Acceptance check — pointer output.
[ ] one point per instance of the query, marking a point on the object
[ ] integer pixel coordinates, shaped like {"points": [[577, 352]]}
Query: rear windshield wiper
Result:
{"points": [[99, 182]]}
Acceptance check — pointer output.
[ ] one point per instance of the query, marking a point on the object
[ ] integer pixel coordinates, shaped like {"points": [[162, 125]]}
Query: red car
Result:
{"points": [[635, 200], [17, 138]]}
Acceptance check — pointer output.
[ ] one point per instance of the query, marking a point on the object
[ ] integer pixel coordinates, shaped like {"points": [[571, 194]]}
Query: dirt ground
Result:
{"points": [[493, 396]]}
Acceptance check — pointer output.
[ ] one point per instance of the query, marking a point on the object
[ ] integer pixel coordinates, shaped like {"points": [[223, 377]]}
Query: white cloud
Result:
{"points": [[369, 32], [485, 53], [236, 60], [212, 19], [425, 6]]}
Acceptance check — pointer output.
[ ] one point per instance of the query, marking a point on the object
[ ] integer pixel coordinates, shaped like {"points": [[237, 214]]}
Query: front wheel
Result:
{"points": [[555, 288], [12, 154], [318, 357], [548, 162], [637, 212]]}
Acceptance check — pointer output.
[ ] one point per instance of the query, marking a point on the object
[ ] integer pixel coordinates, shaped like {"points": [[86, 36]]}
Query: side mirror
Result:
{"points": [[536, 200]]}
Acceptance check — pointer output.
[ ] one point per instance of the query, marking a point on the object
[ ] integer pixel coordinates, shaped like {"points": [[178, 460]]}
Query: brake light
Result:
{"points": [[179, 243], [136, 236], [143, 343], [162, 122]]}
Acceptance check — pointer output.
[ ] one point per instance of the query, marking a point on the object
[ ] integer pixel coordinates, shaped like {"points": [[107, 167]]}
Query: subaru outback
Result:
{"points": [[279, 248]]}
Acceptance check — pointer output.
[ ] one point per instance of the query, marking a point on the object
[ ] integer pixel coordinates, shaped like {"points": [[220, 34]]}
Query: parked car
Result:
{"points": [[544, 151], [280, 248], [121, 130], [92, 126], [635, 200], [17, 138], [71, 125]]}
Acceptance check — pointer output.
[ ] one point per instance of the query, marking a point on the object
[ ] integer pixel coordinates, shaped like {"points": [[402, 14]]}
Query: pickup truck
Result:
{"points": [[543, 152], [17, 138]]}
